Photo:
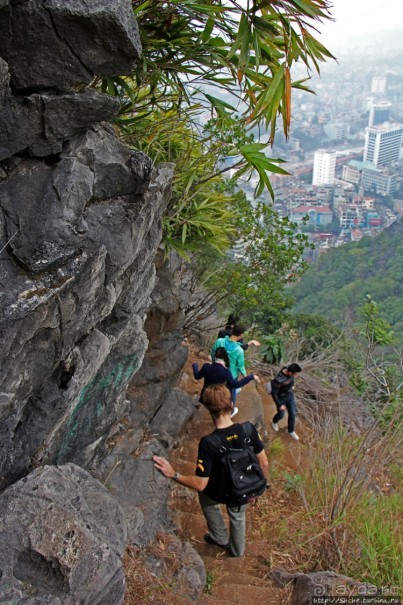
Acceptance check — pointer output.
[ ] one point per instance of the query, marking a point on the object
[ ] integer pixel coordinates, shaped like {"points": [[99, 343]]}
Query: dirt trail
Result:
{"points": [[227, 577]]}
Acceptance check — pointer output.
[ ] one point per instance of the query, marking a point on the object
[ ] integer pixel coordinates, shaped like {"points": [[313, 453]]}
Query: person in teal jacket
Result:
{"points": [[235, 352]]}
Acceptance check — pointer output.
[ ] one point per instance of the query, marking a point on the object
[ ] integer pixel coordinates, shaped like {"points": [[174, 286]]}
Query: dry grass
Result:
{"points": [[280, 526], [308, 521], [151, 574]]}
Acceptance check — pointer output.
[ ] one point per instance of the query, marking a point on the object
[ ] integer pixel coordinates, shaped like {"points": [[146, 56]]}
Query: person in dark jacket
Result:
{"points": [[218, 373], [283, 396]]}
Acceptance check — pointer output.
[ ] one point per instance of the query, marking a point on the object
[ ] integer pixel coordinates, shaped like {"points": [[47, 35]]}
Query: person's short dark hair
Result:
{"points": [[221, 353], [232, 319], [294, 368], [217, 399], [238, 330]]}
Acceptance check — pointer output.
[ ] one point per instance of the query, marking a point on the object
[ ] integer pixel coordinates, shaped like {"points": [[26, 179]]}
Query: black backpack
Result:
{"points": [[241, 470]]}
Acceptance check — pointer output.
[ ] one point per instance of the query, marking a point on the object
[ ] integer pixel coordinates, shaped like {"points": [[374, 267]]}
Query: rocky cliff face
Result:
{"points": [[80, 225]]}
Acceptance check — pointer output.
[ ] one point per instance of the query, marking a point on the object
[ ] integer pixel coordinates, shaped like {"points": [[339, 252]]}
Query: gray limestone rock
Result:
{"points": [[41, 123], [63, 537], [118, 170], [192, 575], [4, 82], [320, 584], [167, 352], [58, 43], [103, 288], [104, 34], [172, 416], [47, 202], [142, 492], [190, 579], [129, 473]]}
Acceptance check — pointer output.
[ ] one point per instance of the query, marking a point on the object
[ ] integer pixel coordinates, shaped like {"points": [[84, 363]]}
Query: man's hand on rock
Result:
{"points": [[163, 466]]}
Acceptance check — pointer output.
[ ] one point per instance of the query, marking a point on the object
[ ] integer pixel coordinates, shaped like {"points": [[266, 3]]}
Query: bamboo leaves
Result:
{"points": [[228, 60], [256, 160]]}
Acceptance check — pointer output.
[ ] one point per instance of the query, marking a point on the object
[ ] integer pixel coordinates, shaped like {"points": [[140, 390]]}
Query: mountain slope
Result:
{"points": [[336, 287]]}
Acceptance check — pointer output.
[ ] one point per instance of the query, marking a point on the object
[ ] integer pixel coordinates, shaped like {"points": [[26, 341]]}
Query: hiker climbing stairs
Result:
{"points": [[227, 577]]}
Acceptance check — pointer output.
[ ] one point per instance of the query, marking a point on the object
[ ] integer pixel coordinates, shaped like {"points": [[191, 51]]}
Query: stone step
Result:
{"points": [[232, 565], [206, 599], [252, 595], [242, 579]]}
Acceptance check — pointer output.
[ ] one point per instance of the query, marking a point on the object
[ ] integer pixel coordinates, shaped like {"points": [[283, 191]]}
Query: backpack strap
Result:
{"points": [[216, 441], [246, 428]]}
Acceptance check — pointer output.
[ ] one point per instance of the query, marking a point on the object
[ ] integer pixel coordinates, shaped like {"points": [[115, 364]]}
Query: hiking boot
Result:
{"points": [[294, 436], [275, 426], [209, 540], [234, 411]]}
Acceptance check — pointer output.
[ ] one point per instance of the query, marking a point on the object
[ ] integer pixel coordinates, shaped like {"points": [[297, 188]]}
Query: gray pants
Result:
{"points": [[217, 528]]}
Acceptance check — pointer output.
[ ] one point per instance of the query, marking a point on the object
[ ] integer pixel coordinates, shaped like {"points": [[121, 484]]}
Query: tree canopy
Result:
{"points": [[338, 285]]}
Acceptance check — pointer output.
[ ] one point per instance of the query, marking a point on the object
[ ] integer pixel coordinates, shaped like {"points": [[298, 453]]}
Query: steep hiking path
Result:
{"points": [[229, 578]]}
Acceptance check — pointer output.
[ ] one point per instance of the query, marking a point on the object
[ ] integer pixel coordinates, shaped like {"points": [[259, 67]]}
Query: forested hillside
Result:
{"points": [[337, 286]]}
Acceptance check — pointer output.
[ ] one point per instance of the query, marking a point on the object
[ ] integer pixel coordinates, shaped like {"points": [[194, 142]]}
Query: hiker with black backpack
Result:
{"points": [[231, 469]]}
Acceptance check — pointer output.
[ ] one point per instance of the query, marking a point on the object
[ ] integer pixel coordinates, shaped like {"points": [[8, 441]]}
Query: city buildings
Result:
{"points": [[366, 177], [380, 182], [318, 215], [337, 131], [324, 167], [383, 143], [379, 112], [363, 192], [378, 85]]}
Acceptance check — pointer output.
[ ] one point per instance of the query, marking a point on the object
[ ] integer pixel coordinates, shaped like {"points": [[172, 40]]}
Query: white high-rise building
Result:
{"points": [[324, 167], [383, 143], [378, 85], [379, 112]]}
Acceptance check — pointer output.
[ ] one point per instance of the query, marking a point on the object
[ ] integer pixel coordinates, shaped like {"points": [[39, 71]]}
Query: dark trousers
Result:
{"points": [[289, 403]]}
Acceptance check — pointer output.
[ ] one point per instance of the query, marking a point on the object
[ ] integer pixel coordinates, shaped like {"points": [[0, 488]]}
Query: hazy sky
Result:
{"points": [[362, 16]]}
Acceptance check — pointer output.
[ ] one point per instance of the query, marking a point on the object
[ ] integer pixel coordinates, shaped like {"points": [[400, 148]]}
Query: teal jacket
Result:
{"points": [[235, 353]]}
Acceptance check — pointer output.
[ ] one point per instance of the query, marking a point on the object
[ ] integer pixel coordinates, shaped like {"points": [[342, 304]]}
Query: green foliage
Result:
{"points": [[374, 375], [254, 286], [199, 212], [339, 283], [293, 482], [209, 582], [357, 377], [377, 330], [272, 349], [190, 49], [378, 530], [233, 63], [315, 332], [277, 450]]}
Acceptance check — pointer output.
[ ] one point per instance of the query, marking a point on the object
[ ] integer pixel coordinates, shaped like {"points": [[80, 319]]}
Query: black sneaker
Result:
{"points": [[209, 540]]}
